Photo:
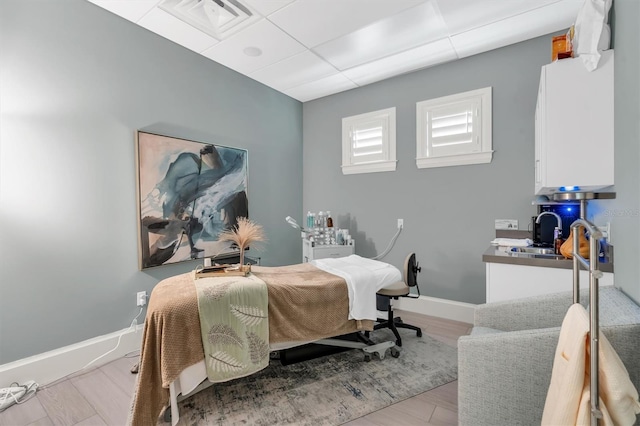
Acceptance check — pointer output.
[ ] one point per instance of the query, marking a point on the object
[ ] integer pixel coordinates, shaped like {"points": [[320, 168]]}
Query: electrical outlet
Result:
{"points": [[511, 224], [141, 298], [400, 223]]}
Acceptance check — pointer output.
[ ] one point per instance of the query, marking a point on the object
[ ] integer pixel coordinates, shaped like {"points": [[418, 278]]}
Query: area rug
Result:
{"points": [[330, 390]]}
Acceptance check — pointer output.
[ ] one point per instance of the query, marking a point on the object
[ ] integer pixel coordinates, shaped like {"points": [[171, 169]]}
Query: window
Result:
{"points": [[369, 142], [454, 130]]}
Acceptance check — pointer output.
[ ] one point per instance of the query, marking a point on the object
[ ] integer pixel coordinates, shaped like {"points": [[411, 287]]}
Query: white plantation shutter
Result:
{"points": [[368, 142], [454, 130]]}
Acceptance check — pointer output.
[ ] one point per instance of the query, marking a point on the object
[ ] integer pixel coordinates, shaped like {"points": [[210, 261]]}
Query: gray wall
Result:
{"points": [[624, 211], [76, 83], [448, 212]]}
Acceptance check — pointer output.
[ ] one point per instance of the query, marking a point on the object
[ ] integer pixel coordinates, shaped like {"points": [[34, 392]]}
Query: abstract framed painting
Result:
{"points": [[187, 192]]}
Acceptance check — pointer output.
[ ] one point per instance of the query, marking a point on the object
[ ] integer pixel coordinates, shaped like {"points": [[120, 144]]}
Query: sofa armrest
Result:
{"points": [[503, 378], [527, 313]]}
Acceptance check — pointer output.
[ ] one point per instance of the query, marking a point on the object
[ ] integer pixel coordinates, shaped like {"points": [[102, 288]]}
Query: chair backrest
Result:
{"points": [[411, 270]]}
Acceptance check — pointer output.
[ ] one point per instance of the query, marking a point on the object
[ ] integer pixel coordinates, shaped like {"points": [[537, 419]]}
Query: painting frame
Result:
{"points": [[187, 192]]}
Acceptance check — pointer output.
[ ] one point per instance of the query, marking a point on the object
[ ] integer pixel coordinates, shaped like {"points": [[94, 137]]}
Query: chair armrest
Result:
{"points": [[526, 314], [503, 378]]}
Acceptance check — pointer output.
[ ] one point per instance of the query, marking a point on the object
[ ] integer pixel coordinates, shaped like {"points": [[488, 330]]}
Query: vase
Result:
{"points": [[241, 257], [583, 249]]}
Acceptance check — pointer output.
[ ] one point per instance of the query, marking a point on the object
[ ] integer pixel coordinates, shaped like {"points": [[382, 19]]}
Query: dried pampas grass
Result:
{"points": [[243, 234]]}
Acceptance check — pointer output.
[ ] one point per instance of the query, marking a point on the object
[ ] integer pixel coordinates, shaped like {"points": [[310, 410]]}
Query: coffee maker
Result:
{"points": [[543, 232]]}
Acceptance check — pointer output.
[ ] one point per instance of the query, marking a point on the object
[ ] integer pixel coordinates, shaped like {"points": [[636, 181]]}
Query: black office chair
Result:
{"points": [[397, 290]]}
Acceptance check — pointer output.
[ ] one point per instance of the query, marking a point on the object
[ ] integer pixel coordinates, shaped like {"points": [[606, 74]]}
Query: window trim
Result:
{"points": [[388, 116], [485, 155]]}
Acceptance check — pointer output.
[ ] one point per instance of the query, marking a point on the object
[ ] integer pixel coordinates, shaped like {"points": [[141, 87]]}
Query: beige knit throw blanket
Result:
{"points": [[234, 325]]}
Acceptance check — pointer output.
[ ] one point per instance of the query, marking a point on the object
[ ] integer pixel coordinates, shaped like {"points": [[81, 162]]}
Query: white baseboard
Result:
{"points": [[50, 366], [435, 307]]}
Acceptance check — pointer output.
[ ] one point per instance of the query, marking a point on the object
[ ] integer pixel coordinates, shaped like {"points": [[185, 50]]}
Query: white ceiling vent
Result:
{"points": [[218, 18]]}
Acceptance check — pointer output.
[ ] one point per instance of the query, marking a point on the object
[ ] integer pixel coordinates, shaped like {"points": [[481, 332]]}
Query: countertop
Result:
{"points": [[496, 254]]}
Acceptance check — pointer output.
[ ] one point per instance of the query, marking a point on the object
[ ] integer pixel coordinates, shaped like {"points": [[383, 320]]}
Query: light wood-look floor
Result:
{"points": [[101, 396]]}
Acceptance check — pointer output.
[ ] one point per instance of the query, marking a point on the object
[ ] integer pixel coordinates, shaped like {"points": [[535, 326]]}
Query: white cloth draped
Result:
{"points": [[568, 398]]}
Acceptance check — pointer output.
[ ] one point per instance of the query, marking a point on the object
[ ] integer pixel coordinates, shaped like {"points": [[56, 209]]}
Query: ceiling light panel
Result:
{"points": [[403, 31], [218, 18], [464, 15], [420, 57], [170, 27], [319, 88], [313, 22], [294, 71], [274, 43], [545, 20], [267, 7], [132, 10]]}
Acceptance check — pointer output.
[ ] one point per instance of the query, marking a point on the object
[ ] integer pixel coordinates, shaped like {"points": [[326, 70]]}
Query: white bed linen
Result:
{"points": [[364, 277]]}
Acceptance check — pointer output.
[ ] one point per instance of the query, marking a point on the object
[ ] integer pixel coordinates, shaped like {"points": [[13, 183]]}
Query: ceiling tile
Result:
{"points": [[132, 10], [319, 88], [403, 31], [424, 56], [464, 15], [538, 22], [168, 26], [274, 44], [294, 71], [316, 21], [267, 7]]}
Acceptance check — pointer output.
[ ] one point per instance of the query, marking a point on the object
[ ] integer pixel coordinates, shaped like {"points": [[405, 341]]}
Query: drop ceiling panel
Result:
{"points": [[312, 48], [168, 26], [267, 7], [294, 71], [555, 17], [403, 31], [319, 88], [274, 44], [132, 10], [313, 22], [464, 15], [420, 57]]}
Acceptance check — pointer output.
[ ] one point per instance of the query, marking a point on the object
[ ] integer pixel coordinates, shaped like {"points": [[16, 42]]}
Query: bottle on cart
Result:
{"points": [[331, 236]]}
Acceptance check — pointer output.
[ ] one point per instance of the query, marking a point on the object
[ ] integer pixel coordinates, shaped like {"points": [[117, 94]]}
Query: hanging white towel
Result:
{"points": [[568, 398]]}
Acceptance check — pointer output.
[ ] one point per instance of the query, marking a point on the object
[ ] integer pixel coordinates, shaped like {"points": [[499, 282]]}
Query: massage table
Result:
{"points": [[306, 304]]}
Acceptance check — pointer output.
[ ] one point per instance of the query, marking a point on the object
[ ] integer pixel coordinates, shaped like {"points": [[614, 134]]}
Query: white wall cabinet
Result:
{"points": [[309, 252], [506, 281], [574, 126]]}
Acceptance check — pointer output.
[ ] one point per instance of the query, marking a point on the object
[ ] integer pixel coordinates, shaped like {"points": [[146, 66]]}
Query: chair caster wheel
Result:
{"points": [[395, 352], [367, 358]]}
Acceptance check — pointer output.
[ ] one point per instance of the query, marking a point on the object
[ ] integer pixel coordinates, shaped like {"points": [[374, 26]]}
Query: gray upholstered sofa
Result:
{"points": [[504, 365]]}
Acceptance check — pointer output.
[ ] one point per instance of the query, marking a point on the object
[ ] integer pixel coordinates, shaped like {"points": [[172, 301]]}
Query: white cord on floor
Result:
{"points": [[390, 246], [133, 324], [17, 394]]}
